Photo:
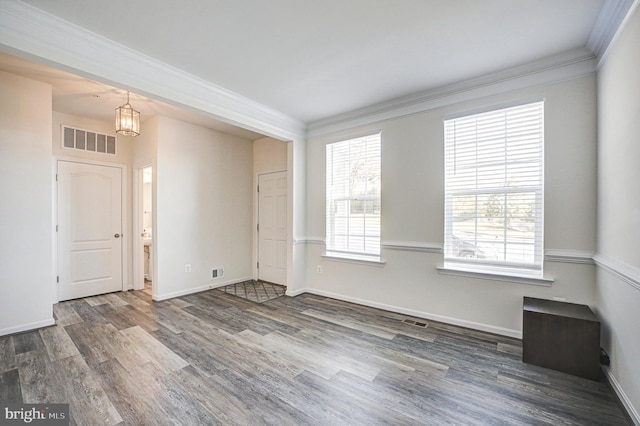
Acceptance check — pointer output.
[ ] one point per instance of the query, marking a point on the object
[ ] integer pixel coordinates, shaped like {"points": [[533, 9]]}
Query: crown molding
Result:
{"points": [[616, 19], [553, 69], [607, 24], [31, 33]]}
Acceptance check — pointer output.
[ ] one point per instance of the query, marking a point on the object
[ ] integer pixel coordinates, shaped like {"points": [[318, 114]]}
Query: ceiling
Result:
{"points": [[311, 59], [79, 96]]}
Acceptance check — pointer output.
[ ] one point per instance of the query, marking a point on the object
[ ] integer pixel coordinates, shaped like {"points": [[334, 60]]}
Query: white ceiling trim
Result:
{"points": [[34, 34], [569, 65], [617, 25], [31, 33], [612, 14]]}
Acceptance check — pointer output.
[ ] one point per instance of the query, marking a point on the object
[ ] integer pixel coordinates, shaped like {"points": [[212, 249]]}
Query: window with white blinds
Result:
{"points": [[353, 197], [494, 183]]}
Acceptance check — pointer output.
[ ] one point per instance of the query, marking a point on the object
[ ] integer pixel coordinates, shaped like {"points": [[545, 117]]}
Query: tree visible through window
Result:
{"points": [[494, 180], [353, 196]]}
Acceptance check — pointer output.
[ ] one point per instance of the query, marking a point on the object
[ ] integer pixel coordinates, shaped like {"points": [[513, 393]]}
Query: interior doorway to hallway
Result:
{"points": [[272, 227], [144, 232]]}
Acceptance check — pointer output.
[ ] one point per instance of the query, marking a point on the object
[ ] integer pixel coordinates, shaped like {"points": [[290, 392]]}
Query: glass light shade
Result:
{"points": [[127, 120]]}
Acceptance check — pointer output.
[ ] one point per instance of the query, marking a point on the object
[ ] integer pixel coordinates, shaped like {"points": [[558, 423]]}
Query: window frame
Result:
{"points": [[532, 270], [332, 248]]}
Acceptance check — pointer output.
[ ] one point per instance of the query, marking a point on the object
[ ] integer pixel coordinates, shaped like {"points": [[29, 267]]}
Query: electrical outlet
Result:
{"points": [[319, 269], [187, 267], [217, 272]]}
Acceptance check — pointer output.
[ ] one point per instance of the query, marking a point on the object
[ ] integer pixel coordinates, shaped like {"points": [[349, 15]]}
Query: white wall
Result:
{"points": [[203, 208], [269, 155], [618, 290], [413, 212], [26, 205]]}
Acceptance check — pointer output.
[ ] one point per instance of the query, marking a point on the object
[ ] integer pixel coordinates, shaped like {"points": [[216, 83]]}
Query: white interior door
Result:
{"points": [[272, 227], [89, 230]]}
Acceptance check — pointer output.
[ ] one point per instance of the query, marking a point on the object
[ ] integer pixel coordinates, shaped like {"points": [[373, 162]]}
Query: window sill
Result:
{"points": [[354, 258], [519, 279]]}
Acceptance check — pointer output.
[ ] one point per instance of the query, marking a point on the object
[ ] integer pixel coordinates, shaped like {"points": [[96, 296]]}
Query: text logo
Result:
{"points": [[34, 414]]}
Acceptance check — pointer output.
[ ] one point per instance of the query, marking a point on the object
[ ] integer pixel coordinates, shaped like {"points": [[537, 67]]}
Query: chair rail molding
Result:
{"points": [[310, 240], [568, 256], [426, 247], [625, 272]]}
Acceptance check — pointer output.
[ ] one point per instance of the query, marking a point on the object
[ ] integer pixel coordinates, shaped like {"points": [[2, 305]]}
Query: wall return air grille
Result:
{"points": [[87, 140]]}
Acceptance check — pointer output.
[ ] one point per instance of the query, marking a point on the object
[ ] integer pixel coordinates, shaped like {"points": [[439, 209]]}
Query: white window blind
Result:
{"points": [[494, 182], [353, 196]]}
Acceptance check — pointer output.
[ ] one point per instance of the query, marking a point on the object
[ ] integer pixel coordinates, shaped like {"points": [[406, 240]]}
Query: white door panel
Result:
{"points": [[272, 220], [89, 230]]}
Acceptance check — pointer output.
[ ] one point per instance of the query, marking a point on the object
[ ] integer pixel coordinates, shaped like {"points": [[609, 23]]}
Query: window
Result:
{"points": [[353, 198], [494, 181]]}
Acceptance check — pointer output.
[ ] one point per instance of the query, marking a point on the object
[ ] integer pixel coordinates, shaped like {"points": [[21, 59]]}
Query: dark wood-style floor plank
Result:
{"points": [[7, 354], [214, 358], [27, 342], [10, 392]]}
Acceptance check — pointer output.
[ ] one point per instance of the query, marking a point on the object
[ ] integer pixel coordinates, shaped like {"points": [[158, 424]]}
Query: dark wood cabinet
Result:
{"points": [[561, 336]]}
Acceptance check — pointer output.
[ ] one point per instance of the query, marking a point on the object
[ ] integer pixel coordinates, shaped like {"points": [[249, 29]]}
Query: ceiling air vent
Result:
{"points": [[87, 140]]}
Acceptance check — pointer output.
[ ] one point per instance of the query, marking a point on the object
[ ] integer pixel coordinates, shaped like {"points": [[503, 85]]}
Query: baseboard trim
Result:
{"points": [[414, 313], [294, 293], [200, 289], [27, 327], [626, 403]]}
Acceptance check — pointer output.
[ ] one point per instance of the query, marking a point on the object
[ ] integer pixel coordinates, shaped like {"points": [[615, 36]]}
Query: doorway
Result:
{"points": [[272, 227], [144, 218], [89, 229]]}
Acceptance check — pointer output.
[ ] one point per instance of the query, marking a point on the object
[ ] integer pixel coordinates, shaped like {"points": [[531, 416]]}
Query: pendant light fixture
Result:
{"points": [[127, 120]]}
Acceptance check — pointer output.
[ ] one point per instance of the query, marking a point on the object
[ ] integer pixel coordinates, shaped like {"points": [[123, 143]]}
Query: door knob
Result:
{"points": [[117, 235]]}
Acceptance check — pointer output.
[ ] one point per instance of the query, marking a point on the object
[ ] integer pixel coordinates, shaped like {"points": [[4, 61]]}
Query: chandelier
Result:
{"points": [[127, 120]]}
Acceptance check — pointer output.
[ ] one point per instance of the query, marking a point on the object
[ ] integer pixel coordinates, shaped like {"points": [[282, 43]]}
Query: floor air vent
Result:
{"points": [[416, 323]]}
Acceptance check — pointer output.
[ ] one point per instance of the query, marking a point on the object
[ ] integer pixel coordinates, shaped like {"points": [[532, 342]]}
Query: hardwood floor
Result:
{"points": [[213, 358]]}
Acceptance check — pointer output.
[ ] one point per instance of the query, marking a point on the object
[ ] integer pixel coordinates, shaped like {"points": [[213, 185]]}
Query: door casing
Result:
{"points": [[278, 228], [124, 217]]}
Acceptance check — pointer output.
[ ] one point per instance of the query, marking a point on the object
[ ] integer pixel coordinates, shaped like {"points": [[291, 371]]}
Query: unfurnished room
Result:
{"points": [[356, 212]]}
